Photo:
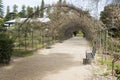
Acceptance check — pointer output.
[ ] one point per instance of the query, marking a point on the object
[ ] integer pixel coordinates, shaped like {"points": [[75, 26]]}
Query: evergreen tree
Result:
{"points": [[8, 10], [37, 11], [23, 12], [1, 9], [42, 9], [14, 14], [35, 8], [48, 10], [64, 2], [8, 16], [15, 7], [60, 1], [29, 11], [1, 22]]}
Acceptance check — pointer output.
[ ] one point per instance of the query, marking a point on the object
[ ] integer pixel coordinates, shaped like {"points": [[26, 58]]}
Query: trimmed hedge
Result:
{"points": [[6, 48]]}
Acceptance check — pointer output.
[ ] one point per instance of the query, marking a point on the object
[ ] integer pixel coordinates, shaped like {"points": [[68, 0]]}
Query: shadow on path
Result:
{"points": [[37, 66]]}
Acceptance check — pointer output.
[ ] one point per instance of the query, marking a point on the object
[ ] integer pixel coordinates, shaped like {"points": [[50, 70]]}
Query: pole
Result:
{"points": [[19, 37], [106, 35], [32, 39], [25, 40]]}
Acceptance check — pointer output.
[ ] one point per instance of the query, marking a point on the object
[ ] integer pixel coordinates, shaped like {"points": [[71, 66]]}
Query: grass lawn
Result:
{"points": [[109, 63], [22, 53]]}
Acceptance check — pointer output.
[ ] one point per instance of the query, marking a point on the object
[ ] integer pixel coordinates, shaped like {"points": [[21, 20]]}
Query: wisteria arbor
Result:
{"points": [[64, 20]]}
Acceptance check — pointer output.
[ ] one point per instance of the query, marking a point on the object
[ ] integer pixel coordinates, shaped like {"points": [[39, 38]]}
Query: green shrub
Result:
{"points": [[22, 53], [105, 74], [118, 76], [6, 48]]}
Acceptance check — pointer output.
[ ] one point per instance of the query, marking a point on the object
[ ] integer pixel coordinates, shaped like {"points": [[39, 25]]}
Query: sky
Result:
{"points": [[84, 4], [25, 2]]}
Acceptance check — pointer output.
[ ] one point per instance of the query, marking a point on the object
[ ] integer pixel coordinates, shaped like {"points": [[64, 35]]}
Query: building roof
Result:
{"points": [[20, 20]]}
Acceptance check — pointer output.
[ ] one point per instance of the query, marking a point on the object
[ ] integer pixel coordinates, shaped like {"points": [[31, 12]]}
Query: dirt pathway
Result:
{"points": [[62, 62]]}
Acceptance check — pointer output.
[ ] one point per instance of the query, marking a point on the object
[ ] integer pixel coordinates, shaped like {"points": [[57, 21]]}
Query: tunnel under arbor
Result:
{"points": [[68, 19], [65, 20]]}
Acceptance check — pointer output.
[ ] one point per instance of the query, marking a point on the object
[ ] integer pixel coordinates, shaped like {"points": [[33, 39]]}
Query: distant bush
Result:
{"points": [[6, 48], [1, 22], [105, 74], [117, 71], [118, 76]]}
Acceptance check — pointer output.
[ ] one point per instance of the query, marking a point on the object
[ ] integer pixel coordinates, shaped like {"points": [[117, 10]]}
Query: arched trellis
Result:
{"points": [[66, 24]]}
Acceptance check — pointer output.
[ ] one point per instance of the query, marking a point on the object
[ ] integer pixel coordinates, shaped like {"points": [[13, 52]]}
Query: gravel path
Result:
{"points": [[62, 62]]}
